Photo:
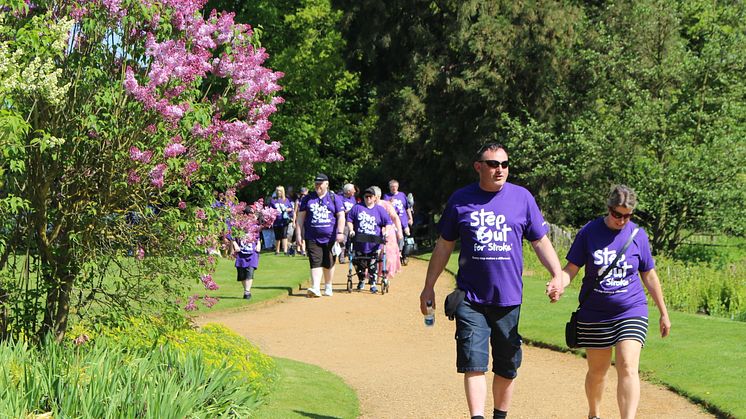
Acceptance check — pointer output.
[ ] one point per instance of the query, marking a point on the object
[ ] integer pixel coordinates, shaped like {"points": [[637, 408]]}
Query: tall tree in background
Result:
{"points": [[323, 125], [583, 95], [450, 75], [664, 113]]}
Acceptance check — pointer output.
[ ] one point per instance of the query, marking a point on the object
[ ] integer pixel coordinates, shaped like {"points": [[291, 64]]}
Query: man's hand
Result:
{"points": [[427, 294]]}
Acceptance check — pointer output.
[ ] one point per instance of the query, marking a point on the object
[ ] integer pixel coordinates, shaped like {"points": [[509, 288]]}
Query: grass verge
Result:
{"points": [[307, 391]]}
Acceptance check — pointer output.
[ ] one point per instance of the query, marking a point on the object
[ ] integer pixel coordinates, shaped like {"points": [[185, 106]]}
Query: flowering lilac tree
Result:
{"points": [[117, 118]]}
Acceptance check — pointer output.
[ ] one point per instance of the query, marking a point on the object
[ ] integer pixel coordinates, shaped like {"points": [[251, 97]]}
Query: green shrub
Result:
{"points": [[104, 380]]}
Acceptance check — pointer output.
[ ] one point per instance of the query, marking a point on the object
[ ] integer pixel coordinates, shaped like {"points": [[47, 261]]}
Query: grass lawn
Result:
{"points": [[703, 358], [277, 275], [307, 391]]}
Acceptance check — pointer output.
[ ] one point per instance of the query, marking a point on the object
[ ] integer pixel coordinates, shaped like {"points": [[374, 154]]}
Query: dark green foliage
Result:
{"points": [[323, 124], [648, 93]]}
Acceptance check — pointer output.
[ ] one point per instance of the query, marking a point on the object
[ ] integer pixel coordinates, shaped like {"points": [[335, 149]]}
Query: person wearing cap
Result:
{"points": [[320, 225], [399, 200], [491, 218], [369, 219]]}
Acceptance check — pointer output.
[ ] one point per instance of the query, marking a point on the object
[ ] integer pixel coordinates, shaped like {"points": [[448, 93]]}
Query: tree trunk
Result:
{"points": [[58, 302]]}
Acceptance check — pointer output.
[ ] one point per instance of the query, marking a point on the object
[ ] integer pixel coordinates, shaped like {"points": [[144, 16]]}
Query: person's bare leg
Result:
{"points": [[328, 275], [475, 386], [502, 392], [599, 361], [284, 246], [316, 274], [628, 387]]}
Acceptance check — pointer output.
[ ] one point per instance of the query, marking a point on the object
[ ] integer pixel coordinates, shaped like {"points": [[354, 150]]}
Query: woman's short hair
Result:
{"points": [[377, 190], [348, 187], [622, 196]]}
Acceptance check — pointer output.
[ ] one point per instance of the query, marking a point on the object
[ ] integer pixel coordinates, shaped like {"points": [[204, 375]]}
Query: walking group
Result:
{"points": [[332, 226], [491, 218], [329, 227]]}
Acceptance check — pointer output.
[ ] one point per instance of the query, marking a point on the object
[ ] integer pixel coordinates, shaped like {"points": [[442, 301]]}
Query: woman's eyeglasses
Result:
{"points": [[618, 215], [495, 163]]}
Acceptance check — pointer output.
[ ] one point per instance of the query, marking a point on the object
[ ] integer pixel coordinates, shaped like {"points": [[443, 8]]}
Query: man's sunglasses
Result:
{"points": [[495, 163], [618, 215]]}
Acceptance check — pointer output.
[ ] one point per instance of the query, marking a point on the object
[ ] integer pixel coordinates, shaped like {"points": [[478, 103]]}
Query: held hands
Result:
{"points": [[556, 286]]}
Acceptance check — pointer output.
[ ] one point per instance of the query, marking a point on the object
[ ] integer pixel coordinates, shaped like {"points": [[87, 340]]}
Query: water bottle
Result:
{"points": [[430, 316]]}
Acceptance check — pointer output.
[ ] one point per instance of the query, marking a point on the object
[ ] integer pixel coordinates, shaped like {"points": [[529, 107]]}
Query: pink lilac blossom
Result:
{"points": [[209, 301], [173, 150], [182, 205], [200, 213], [157, 174], [208, 282], [141, 156], [191, 304], [133, 178]]}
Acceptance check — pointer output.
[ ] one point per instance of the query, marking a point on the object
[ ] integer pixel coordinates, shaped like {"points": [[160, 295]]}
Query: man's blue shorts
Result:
{"points": [[479, 326]]}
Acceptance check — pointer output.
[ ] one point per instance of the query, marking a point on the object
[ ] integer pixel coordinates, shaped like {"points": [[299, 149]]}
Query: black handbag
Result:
{"points": [[571, 327]]}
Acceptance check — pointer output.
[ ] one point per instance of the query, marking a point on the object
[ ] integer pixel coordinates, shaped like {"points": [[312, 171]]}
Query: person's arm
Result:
{"points": [[299, 225], [351, 228], [235, 246], [410, 216], [438, 262], [548, 257], [340, 227], [653, 284]]}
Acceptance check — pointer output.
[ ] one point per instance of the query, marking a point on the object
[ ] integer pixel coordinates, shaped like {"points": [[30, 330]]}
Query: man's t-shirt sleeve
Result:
{"points": [[537, 226], [448, 224]]}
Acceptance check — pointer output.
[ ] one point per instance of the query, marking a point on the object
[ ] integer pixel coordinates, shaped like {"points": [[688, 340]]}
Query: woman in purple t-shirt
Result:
{"points": [[615, 312]]}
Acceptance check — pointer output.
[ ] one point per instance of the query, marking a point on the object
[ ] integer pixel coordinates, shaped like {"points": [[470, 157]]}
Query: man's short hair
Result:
{"points": [[392, 181], [348, 187], [489, 146]]}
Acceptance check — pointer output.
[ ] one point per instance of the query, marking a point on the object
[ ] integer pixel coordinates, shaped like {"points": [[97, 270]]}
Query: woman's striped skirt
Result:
{"points": [[607, 334]]}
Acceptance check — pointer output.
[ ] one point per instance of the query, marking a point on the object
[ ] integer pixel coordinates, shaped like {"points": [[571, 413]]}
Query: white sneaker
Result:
{"points": [[328, 290], [313, 293]]}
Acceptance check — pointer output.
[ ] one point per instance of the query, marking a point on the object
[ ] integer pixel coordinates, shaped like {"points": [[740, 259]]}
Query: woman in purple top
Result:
{"points": [[615, 312], [285, 214]]}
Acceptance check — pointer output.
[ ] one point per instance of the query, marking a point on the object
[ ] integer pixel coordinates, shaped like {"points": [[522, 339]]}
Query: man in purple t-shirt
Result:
{"points": [[491, 218], [367, 219], [399, 200], [321, 224]]}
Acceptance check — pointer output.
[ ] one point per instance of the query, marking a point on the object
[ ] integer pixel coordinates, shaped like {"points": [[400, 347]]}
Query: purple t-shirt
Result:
{"points": [[399, 200], [248, 254], [368, 221], [284, 217], [348, 202], [321, 216], [491, 226], [620, 294]]}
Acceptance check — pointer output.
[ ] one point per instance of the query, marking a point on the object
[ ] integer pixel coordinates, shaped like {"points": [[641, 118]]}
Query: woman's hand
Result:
{"points": [[665, 325]]}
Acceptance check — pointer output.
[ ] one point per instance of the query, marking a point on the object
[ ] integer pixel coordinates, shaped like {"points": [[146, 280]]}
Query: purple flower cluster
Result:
{"points": [[208, 282]]}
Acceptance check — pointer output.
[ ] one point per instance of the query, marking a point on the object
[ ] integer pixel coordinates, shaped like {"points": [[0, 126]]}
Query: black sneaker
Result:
{"points": [[247, 295]]}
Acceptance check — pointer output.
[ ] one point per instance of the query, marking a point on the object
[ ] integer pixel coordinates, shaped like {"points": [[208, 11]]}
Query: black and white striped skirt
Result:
{"points": [[607, 334]]}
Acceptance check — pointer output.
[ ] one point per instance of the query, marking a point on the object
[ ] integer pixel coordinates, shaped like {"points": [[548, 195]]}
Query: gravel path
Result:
{"points": [[401, 369]]}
